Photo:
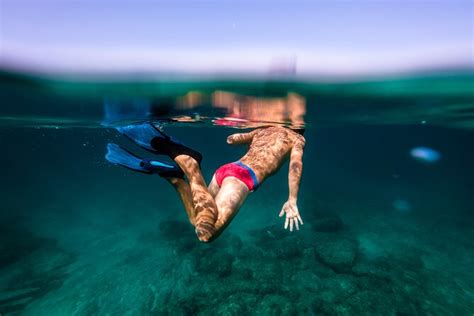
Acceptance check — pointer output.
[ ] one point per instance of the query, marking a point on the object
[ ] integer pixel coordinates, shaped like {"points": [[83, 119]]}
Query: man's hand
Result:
{"points": [[231, 139], [241, 138], [292, 215]]}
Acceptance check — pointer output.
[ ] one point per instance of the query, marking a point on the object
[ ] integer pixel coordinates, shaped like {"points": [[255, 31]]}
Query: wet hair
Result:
{"points": [[296, 130], [299, 131]]}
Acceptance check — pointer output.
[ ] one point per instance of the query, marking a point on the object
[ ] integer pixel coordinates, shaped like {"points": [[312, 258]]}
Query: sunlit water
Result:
{"points": [[386, 197]]}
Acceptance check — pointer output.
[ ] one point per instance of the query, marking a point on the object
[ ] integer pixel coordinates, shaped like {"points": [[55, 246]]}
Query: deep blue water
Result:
{"points": [[384, 233]]}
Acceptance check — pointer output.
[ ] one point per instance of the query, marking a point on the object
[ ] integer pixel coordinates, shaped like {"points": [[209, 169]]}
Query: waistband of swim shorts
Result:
{"points": [[251, 172]]}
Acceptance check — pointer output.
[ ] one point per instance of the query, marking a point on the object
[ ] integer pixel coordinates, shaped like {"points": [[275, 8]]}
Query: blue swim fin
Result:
{"points": [[141, 134], [119, 156], [147, 136]]}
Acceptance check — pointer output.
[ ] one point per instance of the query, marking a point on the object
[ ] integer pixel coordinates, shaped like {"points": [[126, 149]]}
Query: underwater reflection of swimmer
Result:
{"points": [[259, 111], [211, 208], [248, 111]]}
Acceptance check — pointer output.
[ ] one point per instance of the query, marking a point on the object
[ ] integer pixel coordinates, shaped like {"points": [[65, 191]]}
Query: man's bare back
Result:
{"points": [[269, 148]]}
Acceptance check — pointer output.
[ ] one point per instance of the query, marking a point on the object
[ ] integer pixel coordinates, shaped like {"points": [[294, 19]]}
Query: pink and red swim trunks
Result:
{"points": [[240, 171]]}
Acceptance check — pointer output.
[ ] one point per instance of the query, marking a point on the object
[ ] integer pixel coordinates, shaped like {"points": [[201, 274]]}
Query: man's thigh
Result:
{"points": [[229, 199], [213, 187]]}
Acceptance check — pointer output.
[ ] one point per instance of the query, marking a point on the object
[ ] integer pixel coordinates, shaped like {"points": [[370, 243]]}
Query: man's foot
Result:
{"points": [[204, 232], [147, 136], [205, 220]]}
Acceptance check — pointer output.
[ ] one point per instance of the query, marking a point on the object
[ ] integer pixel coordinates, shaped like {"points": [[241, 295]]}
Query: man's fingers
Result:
{"points": [[301, 221], [293, 219], [230, 139]]}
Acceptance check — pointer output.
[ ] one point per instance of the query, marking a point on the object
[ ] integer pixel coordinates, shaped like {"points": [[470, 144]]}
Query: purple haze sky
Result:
{"points": [[328, 37]]}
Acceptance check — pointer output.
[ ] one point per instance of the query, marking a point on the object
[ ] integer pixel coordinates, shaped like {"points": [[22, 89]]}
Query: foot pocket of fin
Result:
{"points": [[147, 136]]}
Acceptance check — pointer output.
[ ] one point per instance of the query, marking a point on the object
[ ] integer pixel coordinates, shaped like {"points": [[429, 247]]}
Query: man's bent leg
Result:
{"points": [[205, 208], [184, 191]]}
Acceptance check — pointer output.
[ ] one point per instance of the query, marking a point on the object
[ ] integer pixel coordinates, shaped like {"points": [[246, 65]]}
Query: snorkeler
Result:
{"points": [[211, 208]]}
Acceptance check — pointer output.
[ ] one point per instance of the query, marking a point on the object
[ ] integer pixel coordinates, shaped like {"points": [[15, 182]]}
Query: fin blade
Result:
{"points": [[119, 156]]}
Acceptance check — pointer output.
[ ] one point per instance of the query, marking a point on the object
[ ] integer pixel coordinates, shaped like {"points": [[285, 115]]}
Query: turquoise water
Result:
{"points": [[385, 233]]}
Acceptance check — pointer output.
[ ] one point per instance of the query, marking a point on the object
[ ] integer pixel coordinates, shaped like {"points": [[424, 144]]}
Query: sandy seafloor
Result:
{"points": [[81, 237]]}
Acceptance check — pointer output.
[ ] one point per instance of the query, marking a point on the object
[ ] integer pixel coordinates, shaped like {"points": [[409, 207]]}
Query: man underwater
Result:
{"points": [[211, 208]]}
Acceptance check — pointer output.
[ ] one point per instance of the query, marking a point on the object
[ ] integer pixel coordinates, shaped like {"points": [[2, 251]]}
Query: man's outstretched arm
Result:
{"points": [[290, 208], [296, 169], [241, 138]]}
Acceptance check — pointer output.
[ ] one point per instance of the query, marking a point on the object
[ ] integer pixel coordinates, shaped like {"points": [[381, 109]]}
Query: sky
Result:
{"points": [[314, 37]]}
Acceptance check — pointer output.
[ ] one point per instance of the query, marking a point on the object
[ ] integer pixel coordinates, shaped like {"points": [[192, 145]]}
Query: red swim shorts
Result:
{"points": [[240, 171]]}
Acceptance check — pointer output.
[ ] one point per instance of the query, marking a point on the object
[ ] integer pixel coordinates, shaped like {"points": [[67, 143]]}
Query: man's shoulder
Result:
{"points": [[300, 138]]}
